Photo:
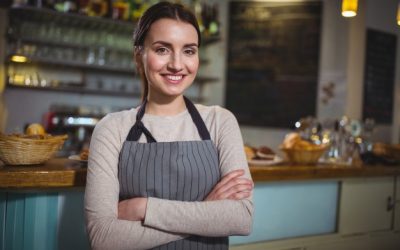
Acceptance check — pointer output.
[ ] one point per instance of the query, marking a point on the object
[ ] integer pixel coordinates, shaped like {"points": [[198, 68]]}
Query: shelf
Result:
{"points": [[49, 62], [66, 44], [74, 19], [207, 40], [87, 91], [76, 90], [205, 79], [48, 15]]}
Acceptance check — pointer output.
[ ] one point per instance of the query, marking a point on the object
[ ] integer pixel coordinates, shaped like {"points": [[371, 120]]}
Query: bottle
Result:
{"points": [[82, 6], [65, 5], [98, 8], [120, 10]]}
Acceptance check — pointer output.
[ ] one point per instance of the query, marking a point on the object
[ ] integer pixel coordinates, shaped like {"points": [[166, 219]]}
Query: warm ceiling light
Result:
{"points": [[20, 59], [349, 8], [398, 14]]}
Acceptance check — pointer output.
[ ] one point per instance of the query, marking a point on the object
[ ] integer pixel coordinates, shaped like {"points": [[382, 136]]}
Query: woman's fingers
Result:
{"points": [[239, 188], [133, 209], [234, 183], [232, 186], [229, 177], [240, 195]]}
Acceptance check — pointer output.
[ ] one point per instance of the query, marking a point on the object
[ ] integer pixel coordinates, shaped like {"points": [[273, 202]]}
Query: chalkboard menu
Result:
{"points": [[379, 76], [273, 52]]}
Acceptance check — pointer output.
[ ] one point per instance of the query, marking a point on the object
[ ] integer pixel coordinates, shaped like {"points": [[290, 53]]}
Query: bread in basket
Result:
{"points": [[18, 149], [300, 151], [305, 156]]}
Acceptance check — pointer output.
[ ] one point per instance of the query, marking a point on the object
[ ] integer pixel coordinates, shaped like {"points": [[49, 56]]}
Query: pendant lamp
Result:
{"points": [[349, 8], [398, 14]]}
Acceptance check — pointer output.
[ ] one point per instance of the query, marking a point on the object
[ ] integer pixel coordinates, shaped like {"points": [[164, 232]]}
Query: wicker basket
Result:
{"points": [[305, 156], [391, 151], [16, 150]]}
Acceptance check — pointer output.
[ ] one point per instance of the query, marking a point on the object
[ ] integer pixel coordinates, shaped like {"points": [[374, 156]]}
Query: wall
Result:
{"points": [[341, 62], [27, 106], [3, 111], [381, 16]]}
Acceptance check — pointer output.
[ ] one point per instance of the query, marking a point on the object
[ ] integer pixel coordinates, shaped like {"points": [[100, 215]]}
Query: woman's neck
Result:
{"points": [[166, 106]]}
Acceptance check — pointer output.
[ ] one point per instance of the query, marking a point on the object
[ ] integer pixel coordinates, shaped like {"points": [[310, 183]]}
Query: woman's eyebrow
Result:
{"points": [[191, 45], [167, 44]]}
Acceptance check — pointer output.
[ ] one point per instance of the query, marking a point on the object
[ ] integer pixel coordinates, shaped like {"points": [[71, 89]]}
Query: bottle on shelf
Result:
{"points": [[120, 10], [82, 6], [98, 8], [65, 5]]}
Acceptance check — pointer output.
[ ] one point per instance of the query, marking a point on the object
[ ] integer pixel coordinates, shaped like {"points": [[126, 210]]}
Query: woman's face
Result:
{"points": [[170, 57]]}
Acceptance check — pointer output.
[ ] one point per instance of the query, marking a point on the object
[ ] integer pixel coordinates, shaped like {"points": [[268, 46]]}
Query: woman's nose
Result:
{"points": [[175, 63]]}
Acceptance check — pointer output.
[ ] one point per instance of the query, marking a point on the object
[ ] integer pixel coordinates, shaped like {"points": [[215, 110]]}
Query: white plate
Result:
{"points": [[276, 160], [76, 158]]}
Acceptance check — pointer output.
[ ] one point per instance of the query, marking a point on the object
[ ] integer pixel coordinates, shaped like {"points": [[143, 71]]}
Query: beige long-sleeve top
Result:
{"points": [[165, 220]]}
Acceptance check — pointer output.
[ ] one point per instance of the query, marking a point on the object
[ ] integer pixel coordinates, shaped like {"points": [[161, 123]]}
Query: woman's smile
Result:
{"points": [[170, 58], [174, 79]]}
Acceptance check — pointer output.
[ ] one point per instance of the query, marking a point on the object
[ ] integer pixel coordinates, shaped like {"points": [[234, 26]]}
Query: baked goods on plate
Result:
{"points": [[262, 155]]}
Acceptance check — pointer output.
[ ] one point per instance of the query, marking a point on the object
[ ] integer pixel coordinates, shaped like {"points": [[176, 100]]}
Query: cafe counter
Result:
{"points": [[64, 173], [42, 206]]}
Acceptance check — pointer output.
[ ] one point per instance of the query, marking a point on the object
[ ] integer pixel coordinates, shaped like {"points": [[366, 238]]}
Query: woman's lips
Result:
{"points": [[174, 79]]}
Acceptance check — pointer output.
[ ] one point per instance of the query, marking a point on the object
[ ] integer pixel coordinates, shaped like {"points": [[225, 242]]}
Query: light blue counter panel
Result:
{"points": [[3, 202], [40, 225], [42, 221], [71, 221], [14, 228], [292, 209]]}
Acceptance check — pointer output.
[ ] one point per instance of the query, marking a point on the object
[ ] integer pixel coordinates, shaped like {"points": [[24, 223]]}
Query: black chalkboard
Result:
{"points": [[379, 76], [273, 53]]}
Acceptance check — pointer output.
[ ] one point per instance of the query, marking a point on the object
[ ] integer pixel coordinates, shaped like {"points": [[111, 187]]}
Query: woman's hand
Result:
{"points": [[231, 186], [132, 209]]}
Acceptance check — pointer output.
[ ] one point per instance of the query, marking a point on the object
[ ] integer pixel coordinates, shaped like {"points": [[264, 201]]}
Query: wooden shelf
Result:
{"points": [[76, 90], [71, 64], [84, 91], [38, 41], [48, 15]]}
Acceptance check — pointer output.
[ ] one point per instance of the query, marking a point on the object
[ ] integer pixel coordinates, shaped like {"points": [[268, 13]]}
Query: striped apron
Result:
{"points": [[180, 170]]}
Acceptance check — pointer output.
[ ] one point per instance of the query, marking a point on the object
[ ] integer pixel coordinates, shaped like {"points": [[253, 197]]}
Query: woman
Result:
{"points": [[168, 173]]}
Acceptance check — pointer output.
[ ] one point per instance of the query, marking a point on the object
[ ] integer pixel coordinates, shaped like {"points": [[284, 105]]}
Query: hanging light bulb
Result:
{"points": [[398, 14], [349, 8]]}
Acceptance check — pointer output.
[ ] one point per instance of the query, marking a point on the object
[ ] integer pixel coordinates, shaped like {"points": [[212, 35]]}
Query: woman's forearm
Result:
{"points": [[111, 233], [205, 218]]}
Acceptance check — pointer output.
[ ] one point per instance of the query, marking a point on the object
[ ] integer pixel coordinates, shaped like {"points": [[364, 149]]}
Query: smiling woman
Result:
{"points": [[169, 57], [167, 174]]}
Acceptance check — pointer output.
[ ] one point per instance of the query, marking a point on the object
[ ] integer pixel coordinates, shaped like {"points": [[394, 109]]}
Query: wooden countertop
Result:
{"points": [[55, 173], [64, 173], [294, 172]]}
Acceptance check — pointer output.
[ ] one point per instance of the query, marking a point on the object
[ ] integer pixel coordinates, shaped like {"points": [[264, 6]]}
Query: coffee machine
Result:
{"points": [[76, 122]]}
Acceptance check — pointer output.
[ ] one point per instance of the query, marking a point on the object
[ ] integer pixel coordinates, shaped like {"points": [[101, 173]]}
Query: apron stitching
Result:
{"points": [[204, 168]]}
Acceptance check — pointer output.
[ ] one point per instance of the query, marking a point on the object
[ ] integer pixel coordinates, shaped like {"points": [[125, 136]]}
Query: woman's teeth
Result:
{"points": [[174, 78]]}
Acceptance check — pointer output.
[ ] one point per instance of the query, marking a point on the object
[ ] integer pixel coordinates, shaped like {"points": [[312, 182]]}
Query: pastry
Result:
{"points": [[265, 153], [84, 155], [250, 152]]}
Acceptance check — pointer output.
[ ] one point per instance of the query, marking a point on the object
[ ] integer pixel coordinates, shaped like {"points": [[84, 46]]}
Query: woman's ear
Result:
{"points": [[137, 56]]}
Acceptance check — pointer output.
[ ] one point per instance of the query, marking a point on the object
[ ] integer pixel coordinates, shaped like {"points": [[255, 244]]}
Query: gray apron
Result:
{"points": [[180, 170]]}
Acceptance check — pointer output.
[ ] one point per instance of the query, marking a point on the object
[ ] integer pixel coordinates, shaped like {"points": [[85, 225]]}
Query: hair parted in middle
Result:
{"points": [[156, 12]]}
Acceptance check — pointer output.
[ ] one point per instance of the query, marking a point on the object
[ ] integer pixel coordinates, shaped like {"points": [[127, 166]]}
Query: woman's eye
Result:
{"points": [[190, 51], [161, 51]]}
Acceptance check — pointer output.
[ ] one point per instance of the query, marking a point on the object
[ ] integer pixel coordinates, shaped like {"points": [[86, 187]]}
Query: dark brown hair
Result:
{"points": [[158, 11]]}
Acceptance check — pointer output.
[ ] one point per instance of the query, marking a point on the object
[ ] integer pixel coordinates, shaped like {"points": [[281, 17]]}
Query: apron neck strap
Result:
{"points": [[198, 121], [138, 128]]}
